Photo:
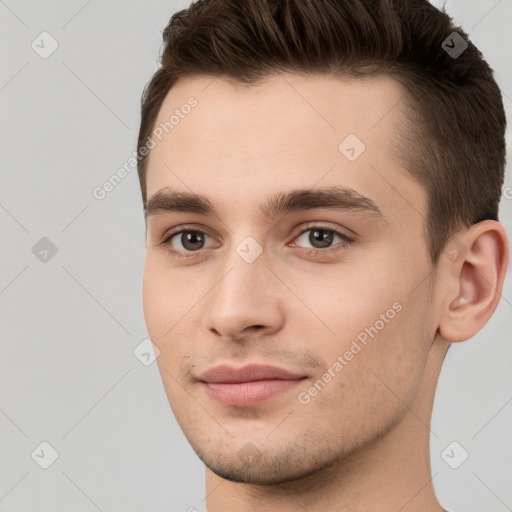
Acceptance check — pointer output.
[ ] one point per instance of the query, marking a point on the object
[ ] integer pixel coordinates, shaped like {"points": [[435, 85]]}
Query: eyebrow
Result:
{"points": [[335, 197]]}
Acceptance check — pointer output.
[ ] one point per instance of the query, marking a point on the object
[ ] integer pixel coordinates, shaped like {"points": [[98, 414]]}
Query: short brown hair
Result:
{"points": [[455, 143]]}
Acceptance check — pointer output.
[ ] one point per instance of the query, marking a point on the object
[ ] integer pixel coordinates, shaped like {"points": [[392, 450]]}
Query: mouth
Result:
{"points": [[247, 386]]}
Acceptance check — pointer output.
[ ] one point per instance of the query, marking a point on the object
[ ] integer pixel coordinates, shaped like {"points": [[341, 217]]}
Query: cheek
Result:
{"points": [[379, 329], [378, 382], [168, 296], [348, 306], [162, 312], [396, 352], [153, 296]]}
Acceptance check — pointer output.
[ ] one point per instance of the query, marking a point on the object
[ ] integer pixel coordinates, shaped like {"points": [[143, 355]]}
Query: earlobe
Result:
{"points": [[475, 282]]}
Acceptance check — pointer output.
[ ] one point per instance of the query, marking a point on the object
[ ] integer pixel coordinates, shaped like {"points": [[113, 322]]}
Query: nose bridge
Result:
{"points": [[245, 294]]}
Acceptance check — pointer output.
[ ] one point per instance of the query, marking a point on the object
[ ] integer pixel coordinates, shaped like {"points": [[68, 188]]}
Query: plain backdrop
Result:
{"points": [[71, 272]]}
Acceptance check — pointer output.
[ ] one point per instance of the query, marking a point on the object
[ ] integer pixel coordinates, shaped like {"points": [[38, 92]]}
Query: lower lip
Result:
{"points": [[245, 394]]}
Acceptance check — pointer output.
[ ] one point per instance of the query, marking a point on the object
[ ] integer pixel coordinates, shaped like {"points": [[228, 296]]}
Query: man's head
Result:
{"points": [[451, 137], [322, 154]]}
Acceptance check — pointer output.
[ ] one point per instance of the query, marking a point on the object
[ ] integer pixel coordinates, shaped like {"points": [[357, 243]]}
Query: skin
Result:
{"points": [[362, 442]]}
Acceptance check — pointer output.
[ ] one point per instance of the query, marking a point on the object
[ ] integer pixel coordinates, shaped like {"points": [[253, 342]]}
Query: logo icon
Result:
{"points": [[146, 352], [455, 250], [44, 250], [454, 455], [351, 147], [249, 249], [44, 45], [249, 454], [44, 455], [454, 45]]}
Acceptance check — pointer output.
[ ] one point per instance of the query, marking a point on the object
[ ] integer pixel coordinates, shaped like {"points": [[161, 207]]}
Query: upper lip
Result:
{"points": [[253, 372]]}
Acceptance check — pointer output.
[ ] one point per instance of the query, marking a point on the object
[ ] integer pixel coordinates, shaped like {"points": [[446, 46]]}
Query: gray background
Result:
{"points": [[71, 322]]}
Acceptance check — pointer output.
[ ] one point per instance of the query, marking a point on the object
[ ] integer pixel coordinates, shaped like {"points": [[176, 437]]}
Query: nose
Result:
{"points": [[247, 301]]}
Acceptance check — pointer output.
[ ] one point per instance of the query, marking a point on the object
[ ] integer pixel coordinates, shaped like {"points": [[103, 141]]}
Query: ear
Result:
{"points": [[473, 268]]}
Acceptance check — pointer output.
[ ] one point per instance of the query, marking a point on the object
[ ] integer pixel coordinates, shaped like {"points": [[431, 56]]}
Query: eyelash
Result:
{"points": [[346, 241]]}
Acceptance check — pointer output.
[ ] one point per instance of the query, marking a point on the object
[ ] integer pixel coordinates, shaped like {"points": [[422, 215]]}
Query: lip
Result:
{"points": [[247, 386]]}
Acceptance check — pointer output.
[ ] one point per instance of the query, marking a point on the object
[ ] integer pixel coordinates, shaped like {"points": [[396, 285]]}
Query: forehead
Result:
{"points": [[244, 142]]}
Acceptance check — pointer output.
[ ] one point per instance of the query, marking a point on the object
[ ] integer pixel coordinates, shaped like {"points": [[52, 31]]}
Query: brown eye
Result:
{"points": [[191, 240], [321, 238], [185, 242]]}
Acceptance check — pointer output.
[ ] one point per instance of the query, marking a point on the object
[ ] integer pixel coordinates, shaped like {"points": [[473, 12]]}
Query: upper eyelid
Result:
{"points": [[347, 233], [309, 225], [168, 234]]}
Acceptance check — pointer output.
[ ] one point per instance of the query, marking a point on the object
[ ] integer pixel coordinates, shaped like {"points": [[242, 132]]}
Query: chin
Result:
{"points": [[250, 466]]}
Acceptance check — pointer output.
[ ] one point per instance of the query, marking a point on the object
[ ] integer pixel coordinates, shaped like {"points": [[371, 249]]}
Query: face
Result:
{"points": [[292, 305]]}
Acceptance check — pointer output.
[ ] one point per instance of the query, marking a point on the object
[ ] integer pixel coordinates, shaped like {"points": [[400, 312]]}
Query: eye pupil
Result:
{"points": [[189, 238], [323, 236]]}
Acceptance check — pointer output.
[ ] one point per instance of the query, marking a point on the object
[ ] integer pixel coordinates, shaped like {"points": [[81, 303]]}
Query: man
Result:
{"points": [[321, 181]]}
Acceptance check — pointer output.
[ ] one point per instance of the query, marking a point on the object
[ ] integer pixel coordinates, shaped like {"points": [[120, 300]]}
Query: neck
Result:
{"points": [[392, 473]]}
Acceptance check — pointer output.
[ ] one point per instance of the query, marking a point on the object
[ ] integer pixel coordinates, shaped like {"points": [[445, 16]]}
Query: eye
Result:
{"points": [[323, 239], [188, 242], [180, 243]]}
